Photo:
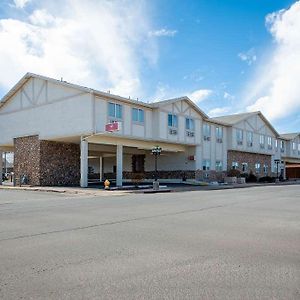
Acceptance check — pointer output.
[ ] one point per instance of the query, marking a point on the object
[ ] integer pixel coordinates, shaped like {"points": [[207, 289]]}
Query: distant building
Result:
{"points": [[66, 134]]}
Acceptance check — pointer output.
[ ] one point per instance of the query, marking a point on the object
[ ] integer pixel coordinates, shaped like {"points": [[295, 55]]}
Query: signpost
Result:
{"points": [[156, 151]]}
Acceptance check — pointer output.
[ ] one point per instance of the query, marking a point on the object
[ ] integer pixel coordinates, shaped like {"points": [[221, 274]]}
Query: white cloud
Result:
{"points": [[163, 32], [199, 95], [249, 57], [228, 96], [218, 111], [95, 43], [21, 3], [276, 89]]}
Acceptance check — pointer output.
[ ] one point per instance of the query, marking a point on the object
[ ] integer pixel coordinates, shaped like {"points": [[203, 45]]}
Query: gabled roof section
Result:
{"points": [[289, 136], [28, 76], [236, 118], [174, 100]]}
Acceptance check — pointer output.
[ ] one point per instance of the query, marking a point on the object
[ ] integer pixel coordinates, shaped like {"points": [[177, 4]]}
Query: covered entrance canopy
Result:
{"points": [[104, 145]]}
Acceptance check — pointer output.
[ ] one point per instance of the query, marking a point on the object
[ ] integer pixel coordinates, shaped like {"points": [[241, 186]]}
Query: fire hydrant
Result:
{"points": [[106, 184]]}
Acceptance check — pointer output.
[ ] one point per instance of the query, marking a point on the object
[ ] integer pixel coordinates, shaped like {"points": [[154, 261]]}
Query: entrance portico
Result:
{"points": [[107, 148]]}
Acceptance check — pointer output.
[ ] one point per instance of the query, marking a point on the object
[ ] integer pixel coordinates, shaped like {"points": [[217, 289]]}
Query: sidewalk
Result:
{"points": [[92, 191], [67, 190]]}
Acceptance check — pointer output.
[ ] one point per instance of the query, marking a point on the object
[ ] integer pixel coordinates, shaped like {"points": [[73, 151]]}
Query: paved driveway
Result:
{"points": [[226, 244]]}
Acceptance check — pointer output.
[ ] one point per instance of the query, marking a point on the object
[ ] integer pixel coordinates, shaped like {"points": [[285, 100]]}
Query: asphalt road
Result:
{"points": [[231, 244]]}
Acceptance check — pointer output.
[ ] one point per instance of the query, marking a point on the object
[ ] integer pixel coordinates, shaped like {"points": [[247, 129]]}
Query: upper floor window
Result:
{"points": [[282, 146], [172, 120], [294, 146], [206, 132], [206, 165], [138, 115], [262, 141], [276, 143], [219, 165], [249, 138], [269, 142], [239, 136], [189, 124], [219, 134], [115, 110], [298, 149]]}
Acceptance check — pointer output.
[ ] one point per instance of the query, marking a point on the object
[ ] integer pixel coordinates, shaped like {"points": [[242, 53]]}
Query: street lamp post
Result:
{"points": [[156, 151], [277, 161]]}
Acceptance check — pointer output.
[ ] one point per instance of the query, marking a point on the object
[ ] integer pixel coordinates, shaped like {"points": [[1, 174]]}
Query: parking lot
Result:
{"points": [[225, 244]]}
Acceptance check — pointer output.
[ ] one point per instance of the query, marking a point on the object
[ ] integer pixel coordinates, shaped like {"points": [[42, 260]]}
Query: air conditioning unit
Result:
{"points": [[191, 157], [219, 140], [249, 144], [269, 147], [190, 133], [262, 146], [206, 138], [173, 131], [240, 142]]}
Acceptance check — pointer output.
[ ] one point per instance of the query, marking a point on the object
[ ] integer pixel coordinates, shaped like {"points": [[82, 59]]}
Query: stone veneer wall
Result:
{"points": [[27, 159], [59, 164], [251, 159], [46, 162]]}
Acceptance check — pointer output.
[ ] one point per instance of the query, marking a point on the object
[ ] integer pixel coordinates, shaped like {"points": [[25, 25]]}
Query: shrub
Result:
{"points": [[268, 179], [233, 173], [251, 178], [137, 178]]}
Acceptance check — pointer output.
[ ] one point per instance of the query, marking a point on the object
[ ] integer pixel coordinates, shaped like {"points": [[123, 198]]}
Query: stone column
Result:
{"points": [[101, 168], [119, 165], [1, 166], [84, 163]]}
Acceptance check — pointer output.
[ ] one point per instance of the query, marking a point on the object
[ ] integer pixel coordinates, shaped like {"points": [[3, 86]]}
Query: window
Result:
{"points": [[189, 124], [219, 166], [115, 110], [265, 169], [262, 141], [239, 136], [249, 138], [235, 165], [244, 167], [276, 144], [219, 134], [294, 146], [206, 165], [269, 142], [138, 115], [172, 120], [282, 146], [298, 149], [257, 168], [206, 132]]}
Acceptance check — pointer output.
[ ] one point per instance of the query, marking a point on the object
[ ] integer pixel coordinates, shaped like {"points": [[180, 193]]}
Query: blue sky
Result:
{"points": [[227, 56]]}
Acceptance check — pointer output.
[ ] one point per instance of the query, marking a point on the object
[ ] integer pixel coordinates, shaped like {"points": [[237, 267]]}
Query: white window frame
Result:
{"points": [[140, 112]]}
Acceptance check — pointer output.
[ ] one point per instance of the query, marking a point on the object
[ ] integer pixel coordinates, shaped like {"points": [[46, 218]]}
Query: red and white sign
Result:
{"points": [[111, 127]]}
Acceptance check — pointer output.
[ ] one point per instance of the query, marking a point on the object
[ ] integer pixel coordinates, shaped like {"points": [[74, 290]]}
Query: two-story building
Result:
{"points": [[66, 134]]}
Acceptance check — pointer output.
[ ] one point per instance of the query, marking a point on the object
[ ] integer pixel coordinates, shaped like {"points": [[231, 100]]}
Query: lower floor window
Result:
{"points": [[244, 167], [206, 164], [266, 169], [219, 166], [257, 167], [235, 165]]}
